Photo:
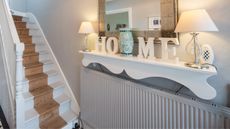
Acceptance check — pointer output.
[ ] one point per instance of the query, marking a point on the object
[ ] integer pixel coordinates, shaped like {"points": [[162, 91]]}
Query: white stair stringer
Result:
{"points": [[31, 119], [62, 92]]}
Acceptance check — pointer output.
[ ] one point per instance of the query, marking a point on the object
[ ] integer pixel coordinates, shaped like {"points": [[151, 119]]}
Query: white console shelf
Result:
{"points": [[194, 79]]}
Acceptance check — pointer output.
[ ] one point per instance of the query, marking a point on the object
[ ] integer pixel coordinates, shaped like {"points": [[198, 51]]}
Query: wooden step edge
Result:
{"points": [[30, 45], [22, 29], [47, 108], [41, 91], [56, 122], [36, 76], [25, 36], [33, 65], [20, 22], [30, 54]]}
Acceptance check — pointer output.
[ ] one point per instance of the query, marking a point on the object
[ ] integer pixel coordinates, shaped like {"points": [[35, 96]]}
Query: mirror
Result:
{"points": [[146, 18]]}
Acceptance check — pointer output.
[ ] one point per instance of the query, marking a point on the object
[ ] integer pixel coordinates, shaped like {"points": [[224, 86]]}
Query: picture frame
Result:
{"points": [[154, 23]]}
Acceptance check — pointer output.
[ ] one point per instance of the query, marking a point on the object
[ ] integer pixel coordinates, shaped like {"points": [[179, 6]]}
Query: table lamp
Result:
{"points": [[193, 22], [86, 28]]}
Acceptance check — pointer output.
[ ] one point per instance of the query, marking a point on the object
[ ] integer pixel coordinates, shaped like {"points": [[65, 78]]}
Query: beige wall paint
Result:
{"points": [[19, 5], [60, 21], [220, 41]]}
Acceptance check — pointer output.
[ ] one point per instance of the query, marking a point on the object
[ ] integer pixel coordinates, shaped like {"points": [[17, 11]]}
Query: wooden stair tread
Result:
{"points": [[36, 76], [20, 29], [30, 54], [33, 65], [29, 45], [47, 107], [19, 22], [53, 123], [17, 18], [25, 36], [41, 91]]}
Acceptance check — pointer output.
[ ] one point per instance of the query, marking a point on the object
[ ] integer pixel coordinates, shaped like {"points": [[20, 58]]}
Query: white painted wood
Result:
{"points": [[194, 79], [28, 101], [70, 118], [109, 102], [100, 45], [164, 47], [12, 57], [31, 119], [64, 102], [112, 45], [58, 88], [146, 50]]}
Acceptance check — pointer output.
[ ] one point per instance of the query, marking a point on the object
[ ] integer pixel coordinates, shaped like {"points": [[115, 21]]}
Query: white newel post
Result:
{"points": [[20, 86]]}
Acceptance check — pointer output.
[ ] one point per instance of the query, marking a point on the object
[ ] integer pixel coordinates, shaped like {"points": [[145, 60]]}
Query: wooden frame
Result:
{"points": [[169, 18]]}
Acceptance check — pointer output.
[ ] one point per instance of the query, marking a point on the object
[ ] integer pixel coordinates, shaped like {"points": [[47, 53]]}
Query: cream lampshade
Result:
{"points": [[193, 22], [86, 28]]}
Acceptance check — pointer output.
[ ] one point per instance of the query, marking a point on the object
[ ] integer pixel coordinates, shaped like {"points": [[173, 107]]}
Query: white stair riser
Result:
{"points": [[29, 104], [37, 40], [44, 57], [53, 79], [32, 124], [64, 107], [58, 91], [31, 26], [25, 19], [34, 32], [47, 67], [40, 47], [27, 88]]}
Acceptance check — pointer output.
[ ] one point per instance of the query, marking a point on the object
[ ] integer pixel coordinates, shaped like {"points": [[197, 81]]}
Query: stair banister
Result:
{"points": [[13, 60]]}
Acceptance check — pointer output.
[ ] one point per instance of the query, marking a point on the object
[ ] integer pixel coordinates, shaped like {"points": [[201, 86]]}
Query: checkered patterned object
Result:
{"points": [[207, 54], [1, 127]]}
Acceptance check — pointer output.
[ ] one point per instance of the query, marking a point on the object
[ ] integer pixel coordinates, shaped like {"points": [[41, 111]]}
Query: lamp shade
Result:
{"points": [[195, 21], [86, 28]]}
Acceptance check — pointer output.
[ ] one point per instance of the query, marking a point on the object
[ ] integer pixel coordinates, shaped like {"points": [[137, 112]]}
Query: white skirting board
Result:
{"points": [[110, 102]]}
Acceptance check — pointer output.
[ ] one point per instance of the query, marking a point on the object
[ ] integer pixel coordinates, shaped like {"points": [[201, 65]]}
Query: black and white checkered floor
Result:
{"points": [[1, 125]]}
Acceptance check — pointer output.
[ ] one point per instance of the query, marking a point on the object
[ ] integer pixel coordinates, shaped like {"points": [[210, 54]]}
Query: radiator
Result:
{"points": [[108, 102]]}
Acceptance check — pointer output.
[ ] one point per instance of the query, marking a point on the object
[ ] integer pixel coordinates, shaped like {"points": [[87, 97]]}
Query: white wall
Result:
{"points": [[60, 21], [220, 41], [19, 5]]}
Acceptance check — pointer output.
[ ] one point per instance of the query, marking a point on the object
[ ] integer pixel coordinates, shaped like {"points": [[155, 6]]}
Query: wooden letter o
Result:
{"points": [[112, 50]]}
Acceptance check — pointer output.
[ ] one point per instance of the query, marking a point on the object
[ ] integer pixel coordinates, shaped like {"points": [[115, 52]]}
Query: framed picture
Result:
{"points": [[154, 23]]}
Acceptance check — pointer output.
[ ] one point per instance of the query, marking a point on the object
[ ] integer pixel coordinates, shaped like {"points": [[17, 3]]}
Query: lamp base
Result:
{"points": [[86, 50], [193, 65]]}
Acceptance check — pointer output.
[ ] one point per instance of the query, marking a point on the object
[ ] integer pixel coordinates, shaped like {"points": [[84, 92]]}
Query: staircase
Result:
{"points": [[46, 101]]}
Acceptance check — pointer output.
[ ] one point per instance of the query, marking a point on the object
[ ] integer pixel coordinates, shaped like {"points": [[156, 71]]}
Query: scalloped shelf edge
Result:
{"points": [[194, 79]]}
